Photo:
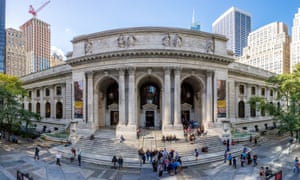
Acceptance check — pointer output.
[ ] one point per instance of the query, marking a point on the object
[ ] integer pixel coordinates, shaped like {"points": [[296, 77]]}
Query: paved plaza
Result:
{"points": [[275, 153]]}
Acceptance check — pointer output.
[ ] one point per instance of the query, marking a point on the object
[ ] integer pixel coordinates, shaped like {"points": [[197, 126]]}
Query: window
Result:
{"points": [[252, 90], [271, 92], [37, 93], [47, 92], [58, 90], [263, 91], [241, 89], [29, 94]]}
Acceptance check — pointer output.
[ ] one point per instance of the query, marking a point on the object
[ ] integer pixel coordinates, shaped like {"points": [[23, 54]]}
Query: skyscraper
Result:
{"points": [[235, 24], [268, 48], [37, 35], [15, 53], [195, 24], [295, 44], [2, 36]]}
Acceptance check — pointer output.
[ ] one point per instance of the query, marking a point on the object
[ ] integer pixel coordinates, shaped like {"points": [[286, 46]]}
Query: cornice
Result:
{"points": [[146, 53]]}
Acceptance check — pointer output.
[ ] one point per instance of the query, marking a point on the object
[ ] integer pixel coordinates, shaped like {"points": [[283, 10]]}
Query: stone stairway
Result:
{"points": [[105, 145]]}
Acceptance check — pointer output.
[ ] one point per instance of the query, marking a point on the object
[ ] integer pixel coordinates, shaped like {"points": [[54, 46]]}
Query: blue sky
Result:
{"points": [[69, 18]]}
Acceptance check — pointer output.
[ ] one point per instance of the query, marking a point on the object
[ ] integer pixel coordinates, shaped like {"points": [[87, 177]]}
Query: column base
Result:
{"points": [[127, 131], [176, 130]]}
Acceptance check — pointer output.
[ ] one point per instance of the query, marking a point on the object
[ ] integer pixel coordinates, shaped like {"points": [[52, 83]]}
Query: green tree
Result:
{"points": [[12, 113], [288, 91]]}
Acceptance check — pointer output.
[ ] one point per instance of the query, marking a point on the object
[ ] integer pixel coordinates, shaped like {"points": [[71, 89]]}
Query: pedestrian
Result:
{"points": [[160, 169], [255, 140], [250, 139], [254, 160], [114, 161], [120, 162], [296, 165], [36, 153], [225, 156], [234, 162], [73, 152], [79, 158], [230, 159], [122, 139], [58, 157], [138, 131], [196, 153]]}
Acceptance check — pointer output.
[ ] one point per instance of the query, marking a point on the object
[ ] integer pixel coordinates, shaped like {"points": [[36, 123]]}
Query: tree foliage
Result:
{"points": [[12, 113]]}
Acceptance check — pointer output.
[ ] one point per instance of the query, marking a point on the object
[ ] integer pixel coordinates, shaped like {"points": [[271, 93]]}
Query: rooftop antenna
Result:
{"points": [[193, 17]]}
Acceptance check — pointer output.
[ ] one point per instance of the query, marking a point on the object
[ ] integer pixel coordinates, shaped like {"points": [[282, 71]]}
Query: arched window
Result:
{"points": [[48, 110], [112, 95], [241, 109], [187, 94], [253, 109], [59, 110], [242, 91], [38, 108]]}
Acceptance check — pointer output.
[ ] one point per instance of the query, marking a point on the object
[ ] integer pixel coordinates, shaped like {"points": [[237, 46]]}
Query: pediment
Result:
{"points": [[113, 106], [149, 107], [186, 107]]}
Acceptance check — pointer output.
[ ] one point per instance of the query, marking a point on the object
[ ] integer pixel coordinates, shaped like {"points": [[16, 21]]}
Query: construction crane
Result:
{"points": [[34, 12]]}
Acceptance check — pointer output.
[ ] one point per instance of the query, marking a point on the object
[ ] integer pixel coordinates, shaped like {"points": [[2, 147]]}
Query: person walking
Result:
{"points": [[296, 165], [114, 161], [225, 156], [230, 159], [254, 160], [120, 162], [234, 162], [79, 158], [58, 157], [36, 153]]}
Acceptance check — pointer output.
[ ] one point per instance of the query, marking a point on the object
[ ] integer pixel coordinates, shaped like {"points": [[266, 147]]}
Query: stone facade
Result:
{"points": [[148, 77]]}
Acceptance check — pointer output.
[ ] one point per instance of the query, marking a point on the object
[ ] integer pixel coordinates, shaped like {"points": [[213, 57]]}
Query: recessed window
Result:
{"points": [[58, 90], [47, 92], [37, 93], [241, 89], [263, 91], [252, 90], [271, 92], [29, 94]]}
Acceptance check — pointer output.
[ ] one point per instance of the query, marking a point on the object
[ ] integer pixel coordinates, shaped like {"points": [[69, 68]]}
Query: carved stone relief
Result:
{"points": [[210, 46], [126, 42], [172, 41], [88, 47]]}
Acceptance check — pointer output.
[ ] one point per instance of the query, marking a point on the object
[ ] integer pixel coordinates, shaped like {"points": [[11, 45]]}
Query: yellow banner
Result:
{"points": [[78, 104]]}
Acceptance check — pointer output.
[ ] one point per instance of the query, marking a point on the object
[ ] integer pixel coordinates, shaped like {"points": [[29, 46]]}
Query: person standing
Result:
{"points": [[225, 156], [254, 160], [230, 159], [114, 161], [36, 153], [296, 165], [262, 173], [120, 162]]}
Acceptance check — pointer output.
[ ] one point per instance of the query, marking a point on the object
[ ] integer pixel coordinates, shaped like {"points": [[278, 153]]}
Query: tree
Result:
{"points": [[288, 91], [12, 113]]}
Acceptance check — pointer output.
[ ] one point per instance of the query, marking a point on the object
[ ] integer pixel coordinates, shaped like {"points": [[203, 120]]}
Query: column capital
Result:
{"points": [[90, 74], [121, 71], [167, 69], [177, 70], [131, 69]]}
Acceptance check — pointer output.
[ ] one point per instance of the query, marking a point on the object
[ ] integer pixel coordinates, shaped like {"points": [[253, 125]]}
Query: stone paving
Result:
{"points": [[275, 153]]}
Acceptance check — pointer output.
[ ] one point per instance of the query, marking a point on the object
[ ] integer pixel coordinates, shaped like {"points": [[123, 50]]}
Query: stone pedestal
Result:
{"points": [[176, 130], [73, 137], [128, 131]]}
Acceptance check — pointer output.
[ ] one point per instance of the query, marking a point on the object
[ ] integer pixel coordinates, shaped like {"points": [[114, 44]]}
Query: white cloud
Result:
{"points": [[55, 50]]}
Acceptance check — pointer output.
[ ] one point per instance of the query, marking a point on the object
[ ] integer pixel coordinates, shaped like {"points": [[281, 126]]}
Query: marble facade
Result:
{"points": [[135, 77]]}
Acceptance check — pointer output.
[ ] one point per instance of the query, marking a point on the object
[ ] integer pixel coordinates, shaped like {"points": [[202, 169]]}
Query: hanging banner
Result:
{"points": [[221, 98], [78, 97]]}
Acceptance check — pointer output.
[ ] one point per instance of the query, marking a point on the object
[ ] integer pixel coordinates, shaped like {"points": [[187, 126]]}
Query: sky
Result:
{"points": [[71, 18]]}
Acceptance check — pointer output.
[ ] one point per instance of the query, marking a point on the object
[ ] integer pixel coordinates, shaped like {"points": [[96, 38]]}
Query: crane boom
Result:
{"points": [[34, 12]]}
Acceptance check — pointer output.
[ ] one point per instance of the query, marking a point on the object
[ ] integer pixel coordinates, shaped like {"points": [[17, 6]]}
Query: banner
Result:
{"points": [[78, 97], [221, 102]]}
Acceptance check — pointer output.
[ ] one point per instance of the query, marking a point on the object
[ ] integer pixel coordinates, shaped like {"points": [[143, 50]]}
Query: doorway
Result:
{"points": [[185, 116], [149, 119], [114, 118]]}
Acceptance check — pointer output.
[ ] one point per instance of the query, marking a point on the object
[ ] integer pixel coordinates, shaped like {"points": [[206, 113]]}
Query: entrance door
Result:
{"points": [[149, 119], [114, 118], [185, 116]]}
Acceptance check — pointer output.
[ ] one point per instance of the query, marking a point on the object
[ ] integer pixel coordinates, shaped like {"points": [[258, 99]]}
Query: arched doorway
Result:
{"points": [[108, 103], [191, 97], [149, 101]]}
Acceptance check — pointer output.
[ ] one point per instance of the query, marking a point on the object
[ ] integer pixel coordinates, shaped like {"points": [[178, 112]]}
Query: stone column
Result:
{"points": [[177, 98], [121, 97], [131, 97], [90, 98], [42, 103], [208, 98], [167, 97], [52, 101]]}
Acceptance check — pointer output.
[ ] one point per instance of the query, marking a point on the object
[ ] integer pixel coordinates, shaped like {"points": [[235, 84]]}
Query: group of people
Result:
{"points": [[169, 138], [161, 161], [265, 172], [245, 158], [116, 160]]}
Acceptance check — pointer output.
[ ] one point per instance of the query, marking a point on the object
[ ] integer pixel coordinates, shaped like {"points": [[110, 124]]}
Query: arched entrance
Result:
{"points": [[149, 101], [108, 103], [191, 101]]}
